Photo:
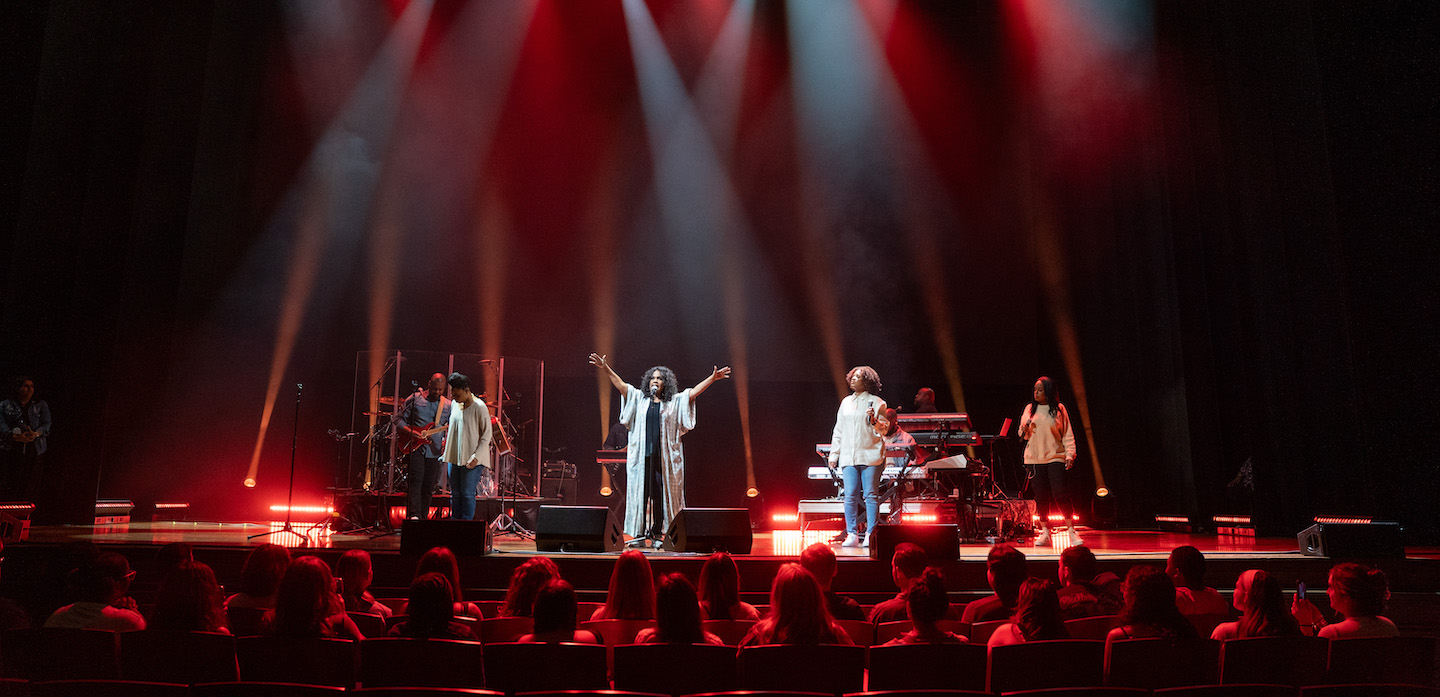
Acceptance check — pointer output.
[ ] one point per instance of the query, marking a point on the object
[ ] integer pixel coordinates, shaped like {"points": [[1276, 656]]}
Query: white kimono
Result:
{"points": [[677, 417]]}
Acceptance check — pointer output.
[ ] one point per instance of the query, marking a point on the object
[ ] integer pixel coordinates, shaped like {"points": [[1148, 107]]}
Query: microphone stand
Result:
{"points": [[290, 496]]}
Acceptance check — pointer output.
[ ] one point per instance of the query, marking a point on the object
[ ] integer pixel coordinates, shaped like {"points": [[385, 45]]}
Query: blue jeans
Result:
{"points": [[855, 478], [463, 481]]}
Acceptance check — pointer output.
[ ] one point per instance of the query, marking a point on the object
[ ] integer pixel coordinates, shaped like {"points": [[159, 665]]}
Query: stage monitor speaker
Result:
{"points": [[466, 538], [941, 542], [563, 489], [710, 530], [577, 529], [1377, 540]]}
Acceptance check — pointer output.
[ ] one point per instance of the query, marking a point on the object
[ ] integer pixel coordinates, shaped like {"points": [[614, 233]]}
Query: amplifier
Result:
{"points": [[557, 470]]}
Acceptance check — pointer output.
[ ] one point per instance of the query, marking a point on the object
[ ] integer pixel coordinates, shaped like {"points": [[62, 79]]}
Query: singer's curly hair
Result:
{"points": [[868, 376], [672, 384]]}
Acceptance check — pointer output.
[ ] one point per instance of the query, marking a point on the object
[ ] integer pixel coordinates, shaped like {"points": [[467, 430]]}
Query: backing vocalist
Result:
{"points": [[1049, 454], [857, 447]]}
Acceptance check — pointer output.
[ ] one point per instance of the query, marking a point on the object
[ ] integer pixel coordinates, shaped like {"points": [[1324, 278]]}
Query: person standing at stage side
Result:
{"points": [[1049, 454], [467, 448], [24, 434], [858, 449], [657, 417], [925, 401], [425, 417]]}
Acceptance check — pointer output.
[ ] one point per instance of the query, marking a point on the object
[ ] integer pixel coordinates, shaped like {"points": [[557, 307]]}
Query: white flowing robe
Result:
{"points": [[677, 417]]}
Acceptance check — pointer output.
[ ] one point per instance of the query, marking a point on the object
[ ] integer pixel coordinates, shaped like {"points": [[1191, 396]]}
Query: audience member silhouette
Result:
{"points": [[306, 604], [356, 573], [260, 577], [1005, 569], [1037, 616], [820, 561], [190, 600], [1150, 608], [55, 586], [1186, 567], [926, 603], [720, 591], [525, 582], [1082, 592], [99, 584], [555, 615], [632, 590], [677, 615], [442, 561], [432, 611], [167, 559], [906, 564], [1358, 594], [12, 616], [1258, 596], [797, 613]]}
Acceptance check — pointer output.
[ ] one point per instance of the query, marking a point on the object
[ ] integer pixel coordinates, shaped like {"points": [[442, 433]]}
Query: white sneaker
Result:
{"points": [[851, 540], [1075, 540], [865, 541], [1043, 539]]}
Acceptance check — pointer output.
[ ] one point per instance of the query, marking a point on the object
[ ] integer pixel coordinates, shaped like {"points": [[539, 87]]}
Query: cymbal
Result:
{"points": [[378, 413], [387, 400]]}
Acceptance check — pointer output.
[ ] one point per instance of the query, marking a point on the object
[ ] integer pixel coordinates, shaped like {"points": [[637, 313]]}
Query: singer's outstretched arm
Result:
{"points": [[715, 374], [600, 362]]}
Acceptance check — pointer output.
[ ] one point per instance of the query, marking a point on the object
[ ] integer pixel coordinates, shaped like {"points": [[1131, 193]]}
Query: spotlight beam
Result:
{"points": [[333, 195], [698, 205]]}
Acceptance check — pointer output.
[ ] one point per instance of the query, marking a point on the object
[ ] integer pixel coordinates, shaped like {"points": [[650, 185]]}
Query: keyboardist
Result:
{"points": [[897, 437]]}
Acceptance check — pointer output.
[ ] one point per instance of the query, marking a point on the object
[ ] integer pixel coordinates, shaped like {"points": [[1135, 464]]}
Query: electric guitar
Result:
{"points": [[409, 442]]}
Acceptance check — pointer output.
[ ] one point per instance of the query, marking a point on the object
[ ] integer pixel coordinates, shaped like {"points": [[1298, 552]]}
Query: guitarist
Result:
{"points": [[424, 419]]}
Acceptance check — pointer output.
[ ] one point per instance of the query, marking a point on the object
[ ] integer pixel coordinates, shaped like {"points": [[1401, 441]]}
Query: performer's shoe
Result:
{"points": [[851, 540], [656, 543], [638, 542], [865, 541], [1043, 539], [1075, 540]]}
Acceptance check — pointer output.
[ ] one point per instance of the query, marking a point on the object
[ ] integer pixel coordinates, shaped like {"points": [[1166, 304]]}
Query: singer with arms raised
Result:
{"points": [[857, 447], [657, 417], [467, 447]]}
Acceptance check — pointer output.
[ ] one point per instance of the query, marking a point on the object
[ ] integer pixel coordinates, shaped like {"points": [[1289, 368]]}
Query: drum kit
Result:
{"points": [[385, 471]]}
